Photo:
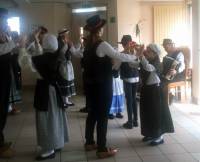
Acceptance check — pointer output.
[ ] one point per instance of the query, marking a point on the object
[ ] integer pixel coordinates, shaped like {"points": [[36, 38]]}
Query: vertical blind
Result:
{"points": [[170, 21]]}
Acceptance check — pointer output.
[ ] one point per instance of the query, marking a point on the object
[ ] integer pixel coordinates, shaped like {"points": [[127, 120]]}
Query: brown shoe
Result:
{"points": [[15, 111], [90, 147], [110, 152], [6, 152]]}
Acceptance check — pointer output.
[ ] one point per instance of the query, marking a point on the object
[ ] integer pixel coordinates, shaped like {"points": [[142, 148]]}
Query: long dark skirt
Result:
{"points": [[154, 112]]}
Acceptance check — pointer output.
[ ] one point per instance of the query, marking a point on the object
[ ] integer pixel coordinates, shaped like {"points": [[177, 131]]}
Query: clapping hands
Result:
{"points": [[140, 51]]}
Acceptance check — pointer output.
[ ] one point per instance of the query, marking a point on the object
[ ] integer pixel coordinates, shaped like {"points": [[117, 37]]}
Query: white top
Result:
{"points": [[180, 58], [153, 77], [6, 47]]}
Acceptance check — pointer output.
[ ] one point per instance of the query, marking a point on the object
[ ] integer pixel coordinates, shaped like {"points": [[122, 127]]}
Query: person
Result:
{"points": [[51, 120], [86, 108], [177, 73], [154, 113], [66, 49], [117, 105], [98, 74], [130, 76], [6, 46], [35, 40], [16, 81]]}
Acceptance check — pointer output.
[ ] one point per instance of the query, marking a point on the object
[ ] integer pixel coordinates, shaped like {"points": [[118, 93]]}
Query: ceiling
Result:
{"points": [[14, 3]]}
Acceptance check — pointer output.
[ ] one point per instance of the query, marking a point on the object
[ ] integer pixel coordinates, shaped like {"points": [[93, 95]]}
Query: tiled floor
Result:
{"points": [[182, 146]]}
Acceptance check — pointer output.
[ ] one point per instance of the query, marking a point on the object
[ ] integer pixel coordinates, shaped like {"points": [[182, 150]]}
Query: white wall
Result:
{"points": [[128, 14]]}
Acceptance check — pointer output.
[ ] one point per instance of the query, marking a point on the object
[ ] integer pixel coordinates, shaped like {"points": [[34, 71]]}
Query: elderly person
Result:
{"points": [[172, 52], [51, 121], [97, 66], [154, 114], [169, 73]]}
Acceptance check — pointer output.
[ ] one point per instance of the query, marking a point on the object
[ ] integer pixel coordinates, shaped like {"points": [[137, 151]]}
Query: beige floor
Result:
{"points": [[182, 146]]}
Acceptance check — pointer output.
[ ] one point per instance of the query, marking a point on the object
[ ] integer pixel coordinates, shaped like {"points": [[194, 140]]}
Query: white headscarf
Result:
{"points": [[154, 47], [49, 43]]}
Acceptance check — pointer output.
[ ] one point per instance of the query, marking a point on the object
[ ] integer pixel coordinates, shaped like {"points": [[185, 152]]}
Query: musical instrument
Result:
{"points": [[170, 64]]}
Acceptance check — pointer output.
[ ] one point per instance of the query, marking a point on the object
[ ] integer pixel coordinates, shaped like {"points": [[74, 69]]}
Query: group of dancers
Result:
{"points": [[49, 57]]}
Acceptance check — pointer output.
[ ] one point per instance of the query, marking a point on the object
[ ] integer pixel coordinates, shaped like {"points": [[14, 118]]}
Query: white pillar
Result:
{"points": [[196, 52]]}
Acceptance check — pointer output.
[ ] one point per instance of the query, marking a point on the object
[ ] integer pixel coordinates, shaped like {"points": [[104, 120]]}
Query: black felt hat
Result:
{"points": [[94, 23]]}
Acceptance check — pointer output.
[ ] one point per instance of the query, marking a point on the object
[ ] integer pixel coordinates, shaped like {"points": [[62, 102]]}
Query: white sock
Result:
{"points": [[10, 108], [47, 153], [67, 100]]}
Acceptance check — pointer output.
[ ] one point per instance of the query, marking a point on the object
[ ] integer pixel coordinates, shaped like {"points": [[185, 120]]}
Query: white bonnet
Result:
{"points": [[50, 43], [154, 47]]}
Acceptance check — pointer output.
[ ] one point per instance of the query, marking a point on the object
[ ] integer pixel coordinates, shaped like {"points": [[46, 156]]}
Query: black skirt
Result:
{"points": [[154, 112]]}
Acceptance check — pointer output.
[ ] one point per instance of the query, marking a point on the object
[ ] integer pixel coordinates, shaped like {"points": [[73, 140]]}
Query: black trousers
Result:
{"points": [[100, 97], [130, 90], [5, 82]]}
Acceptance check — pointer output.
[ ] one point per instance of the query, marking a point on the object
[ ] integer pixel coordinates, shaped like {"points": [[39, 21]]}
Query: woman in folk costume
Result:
{"points": [[154, 114], [97, 66], [51, 120], [117, 105], [66, 50]]}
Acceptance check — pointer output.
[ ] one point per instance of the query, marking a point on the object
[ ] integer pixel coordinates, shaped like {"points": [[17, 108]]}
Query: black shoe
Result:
{"points": [[119, 115], [111, 116], [84, 110], [146, 139], [155, 143], [40, 158], [135, 124], [65, 106], [128, 125]]}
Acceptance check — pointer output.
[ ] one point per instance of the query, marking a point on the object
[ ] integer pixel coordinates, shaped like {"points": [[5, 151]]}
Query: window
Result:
{"points": [[14, 24]]}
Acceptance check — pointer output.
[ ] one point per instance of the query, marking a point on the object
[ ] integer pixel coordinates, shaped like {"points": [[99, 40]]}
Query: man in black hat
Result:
{"points": [[6, 46], [98, 81]]}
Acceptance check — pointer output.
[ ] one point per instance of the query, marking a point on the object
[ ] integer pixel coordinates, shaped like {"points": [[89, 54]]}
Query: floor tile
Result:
{"points": [[155, 158], [181, 157], [73, 156], [172, 149]]}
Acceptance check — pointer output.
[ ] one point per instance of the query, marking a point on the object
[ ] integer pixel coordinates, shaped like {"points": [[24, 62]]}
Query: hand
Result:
{"points": [[70, 43], [140, 51], [36, 35], [3, 37], [173, 72], [22, 41]]}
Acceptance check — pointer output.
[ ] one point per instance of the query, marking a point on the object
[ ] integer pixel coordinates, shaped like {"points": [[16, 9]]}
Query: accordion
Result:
{"points": [[168, 64]]}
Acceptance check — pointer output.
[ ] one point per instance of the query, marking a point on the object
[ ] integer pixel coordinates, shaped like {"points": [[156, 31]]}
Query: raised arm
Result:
{"points": [[106, 49], [77, 52], [146, 65]]}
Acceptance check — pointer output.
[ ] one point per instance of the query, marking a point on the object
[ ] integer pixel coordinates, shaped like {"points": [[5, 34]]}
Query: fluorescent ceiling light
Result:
{"points": [[90, 9]]}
